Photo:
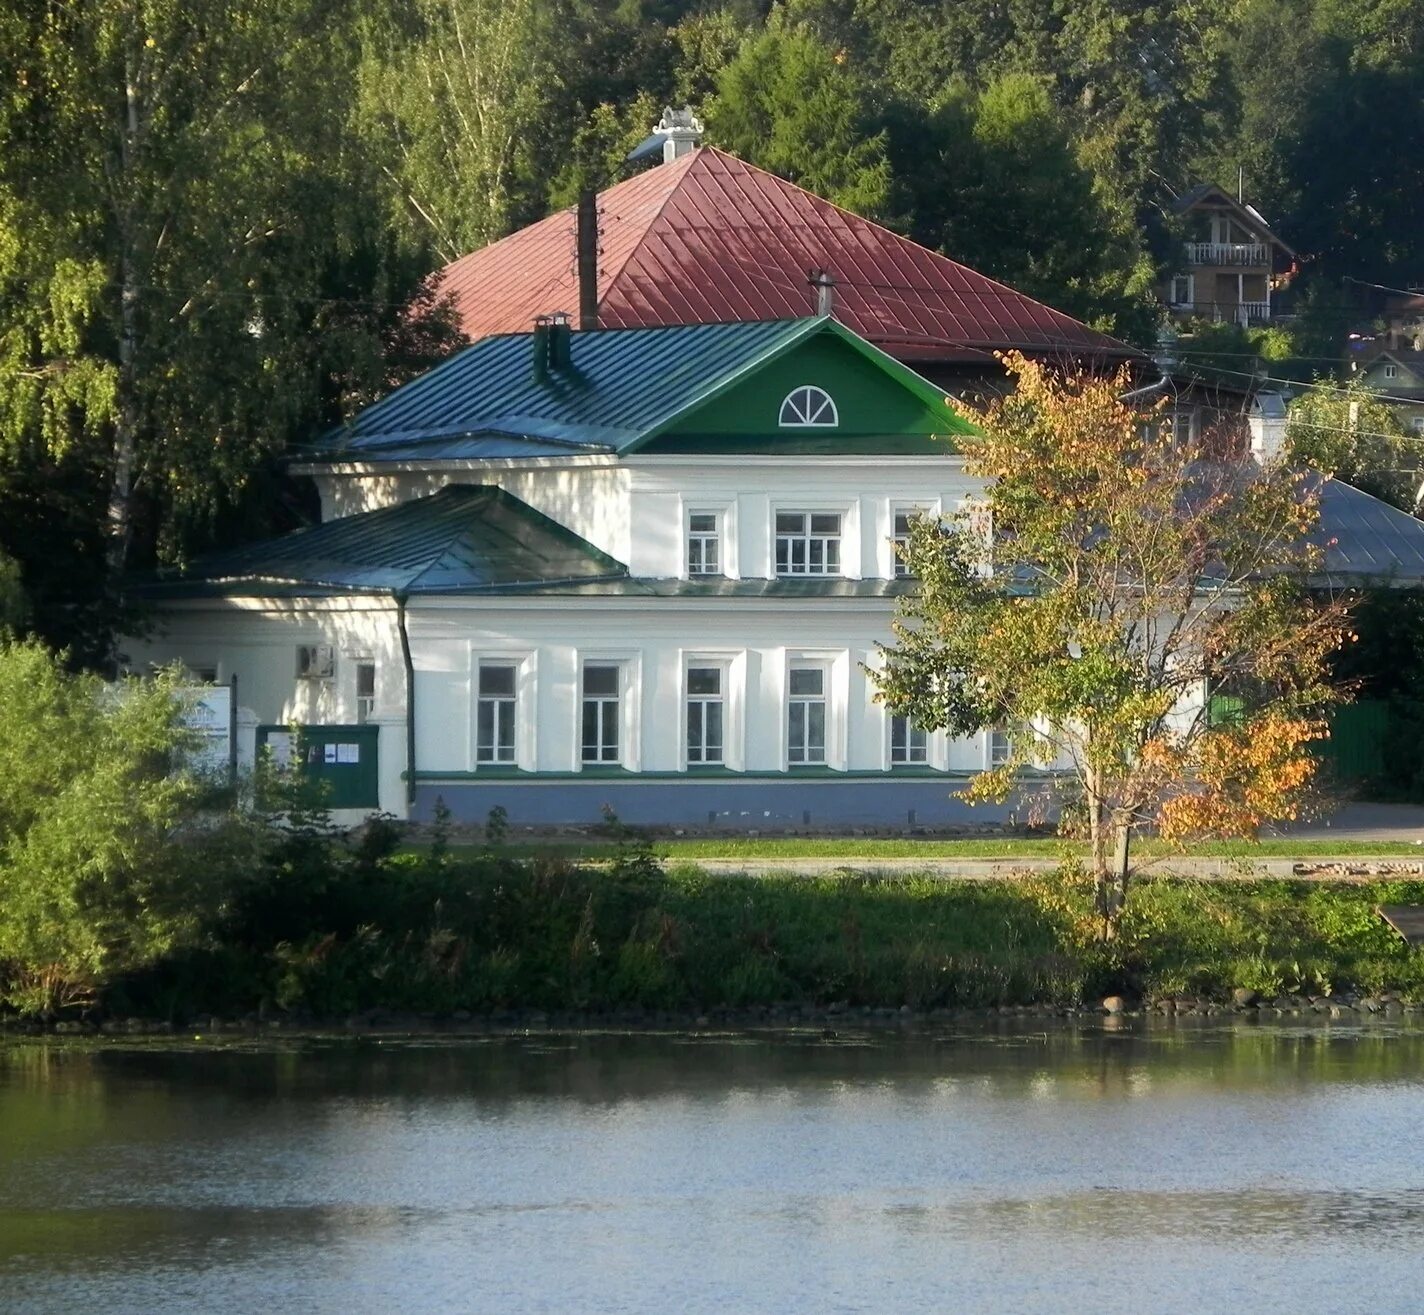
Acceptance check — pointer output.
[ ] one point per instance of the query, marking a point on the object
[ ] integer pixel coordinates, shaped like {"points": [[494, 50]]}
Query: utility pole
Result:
{"points": [[588, 258]]}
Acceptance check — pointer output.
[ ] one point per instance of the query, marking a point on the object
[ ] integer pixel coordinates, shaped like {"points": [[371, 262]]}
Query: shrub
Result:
{"points": [[106, 863]]}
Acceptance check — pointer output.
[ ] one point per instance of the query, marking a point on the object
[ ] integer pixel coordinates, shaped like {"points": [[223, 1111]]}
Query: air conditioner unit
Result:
{"points": [[316, 662]]}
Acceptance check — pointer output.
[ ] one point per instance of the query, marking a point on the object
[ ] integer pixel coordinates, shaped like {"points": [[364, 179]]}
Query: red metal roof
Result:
{"points": [[710, 239]]}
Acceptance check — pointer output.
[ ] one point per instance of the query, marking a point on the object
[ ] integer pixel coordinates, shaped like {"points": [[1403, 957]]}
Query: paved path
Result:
{"points": [[1350, 824], [1353, 822]]}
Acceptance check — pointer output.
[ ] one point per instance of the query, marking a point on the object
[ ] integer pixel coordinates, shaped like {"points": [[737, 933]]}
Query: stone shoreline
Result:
{"points": [[393, 1023]]}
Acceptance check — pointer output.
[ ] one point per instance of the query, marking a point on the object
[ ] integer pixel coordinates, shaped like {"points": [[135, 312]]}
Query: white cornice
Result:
{"points": [[859, 460], [651, 603], [449, 467]]}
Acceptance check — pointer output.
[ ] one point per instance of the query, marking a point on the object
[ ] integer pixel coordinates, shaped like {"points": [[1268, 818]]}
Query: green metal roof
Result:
{"points": [[621, 389], [465, 538]]}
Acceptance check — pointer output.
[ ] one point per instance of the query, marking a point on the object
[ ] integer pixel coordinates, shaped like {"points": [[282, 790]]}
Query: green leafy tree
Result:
{"points": [[1322, 107], [600, 148], [1350, 433], [451, 93], [188, 262], [792, 105], [92, 881], [14, 610], [993, 179], [706, 43], [1130, 576]]}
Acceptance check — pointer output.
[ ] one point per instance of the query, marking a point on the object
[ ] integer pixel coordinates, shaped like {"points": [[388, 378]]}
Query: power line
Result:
{"points": [[1383, 287]]}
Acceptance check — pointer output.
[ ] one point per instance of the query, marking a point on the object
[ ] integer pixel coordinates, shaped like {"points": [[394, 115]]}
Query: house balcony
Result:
{"points": [[1255, 254], [1244, 313]]}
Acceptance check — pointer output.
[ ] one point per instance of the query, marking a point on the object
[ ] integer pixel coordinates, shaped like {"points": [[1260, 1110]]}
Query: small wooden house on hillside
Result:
{"points": [[1396, 375], [1231, 264]]}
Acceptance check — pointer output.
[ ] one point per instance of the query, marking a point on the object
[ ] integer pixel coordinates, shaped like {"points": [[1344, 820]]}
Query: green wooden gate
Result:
{"points": [[1223, 709], [1355, 750], [344, 758]]}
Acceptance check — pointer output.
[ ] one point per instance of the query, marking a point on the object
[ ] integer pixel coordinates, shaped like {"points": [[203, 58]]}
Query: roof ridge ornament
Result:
{"points": [[678, 133]]}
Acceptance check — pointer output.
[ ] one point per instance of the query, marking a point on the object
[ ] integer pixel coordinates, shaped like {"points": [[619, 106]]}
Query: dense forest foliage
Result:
{"points": [[215, 217]]}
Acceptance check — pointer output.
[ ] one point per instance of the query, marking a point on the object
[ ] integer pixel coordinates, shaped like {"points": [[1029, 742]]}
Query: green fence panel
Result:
{"points": [[342, 757], [1223, 709], [1355, 749]]}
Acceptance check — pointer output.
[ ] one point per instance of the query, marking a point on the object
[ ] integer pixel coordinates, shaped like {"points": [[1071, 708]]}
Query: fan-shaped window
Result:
{"points": [[808, 407]]}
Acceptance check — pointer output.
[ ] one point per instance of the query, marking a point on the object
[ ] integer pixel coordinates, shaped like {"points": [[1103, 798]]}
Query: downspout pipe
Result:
{"points": [[1164, 382], [401, 600]]}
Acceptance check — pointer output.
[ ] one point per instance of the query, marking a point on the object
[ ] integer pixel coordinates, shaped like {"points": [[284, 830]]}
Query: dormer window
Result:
{"points": [[809, 407], [1391, 371]]}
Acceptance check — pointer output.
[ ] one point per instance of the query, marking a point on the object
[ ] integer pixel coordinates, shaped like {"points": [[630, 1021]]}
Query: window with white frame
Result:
{"points": [[1179, 423], [806, 716], [808, 407], [1391, 370], [496, 712], [704, 543], [1001, 747], [900, 537], [602, 687], [706, 715], [365, 690], [1181, 290], [1417, 425], [808, 543], [975, 520], [908, 743]]}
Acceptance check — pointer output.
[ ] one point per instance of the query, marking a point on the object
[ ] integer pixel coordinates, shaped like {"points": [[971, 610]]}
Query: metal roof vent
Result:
{"points": [[678, 133]]}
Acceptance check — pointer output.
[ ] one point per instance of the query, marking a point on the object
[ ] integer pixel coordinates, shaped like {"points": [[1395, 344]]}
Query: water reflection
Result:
{"points": [[1004, 1169]]}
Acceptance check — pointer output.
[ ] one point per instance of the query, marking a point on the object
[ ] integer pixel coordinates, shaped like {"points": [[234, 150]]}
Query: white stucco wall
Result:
{"points": [[747, 492], [637, 510], [257, 642], [653, 642], [588, 495]]}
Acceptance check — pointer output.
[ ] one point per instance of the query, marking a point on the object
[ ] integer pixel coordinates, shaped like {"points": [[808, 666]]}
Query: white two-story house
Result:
{"points": [[647, 568], [641, 567]]}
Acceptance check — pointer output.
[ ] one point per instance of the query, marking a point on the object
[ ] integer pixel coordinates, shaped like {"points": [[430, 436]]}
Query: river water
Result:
{"points": [[1217, 1168]]}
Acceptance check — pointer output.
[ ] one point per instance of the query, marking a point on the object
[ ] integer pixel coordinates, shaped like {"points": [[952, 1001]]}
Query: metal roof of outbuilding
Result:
{"points": [[1365, 540], [710, 238], [462, 539]]}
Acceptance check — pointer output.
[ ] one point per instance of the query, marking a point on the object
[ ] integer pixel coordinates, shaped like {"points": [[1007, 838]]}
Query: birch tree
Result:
{"points": [[181, 219], [1134, 573], [450, 99]]}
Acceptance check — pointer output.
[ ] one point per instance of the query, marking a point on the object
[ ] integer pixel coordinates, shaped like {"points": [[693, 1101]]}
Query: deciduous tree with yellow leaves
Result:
{"points": [[1133, 573]]}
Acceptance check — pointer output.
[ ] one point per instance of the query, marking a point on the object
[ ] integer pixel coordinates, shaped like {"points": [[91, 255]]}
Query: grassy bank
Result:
{"points": [[494, 933]]}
